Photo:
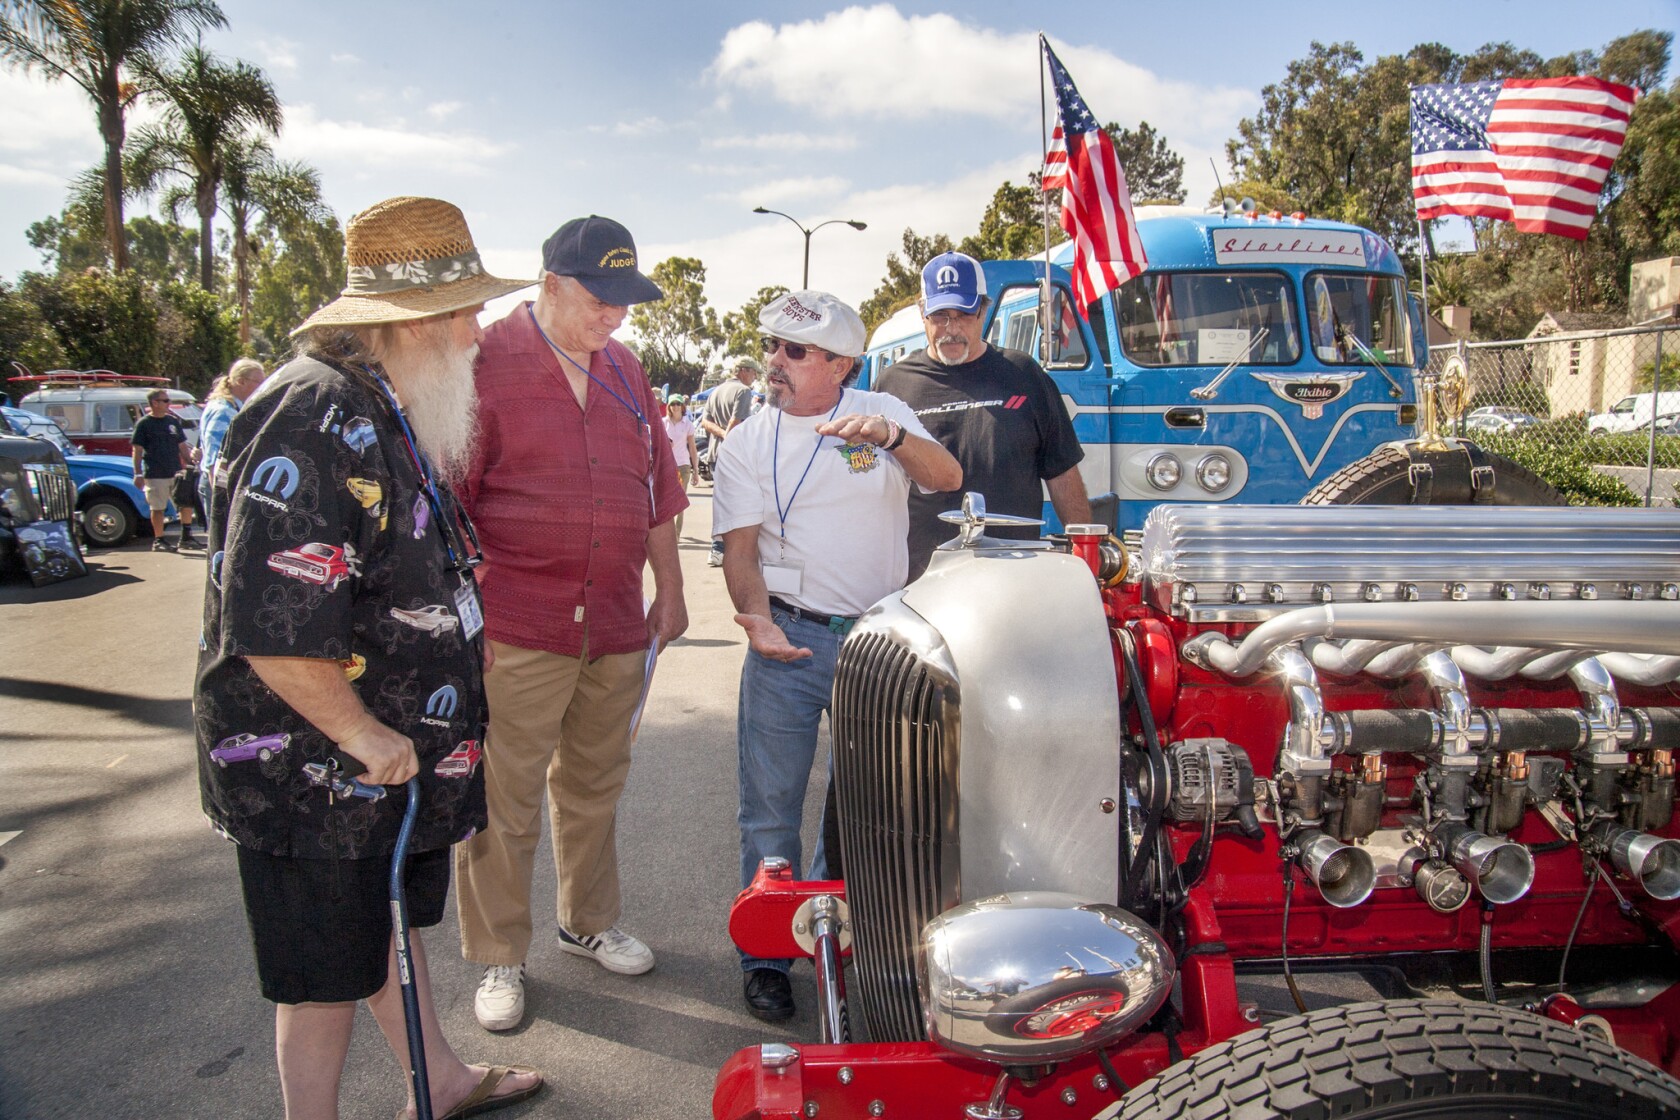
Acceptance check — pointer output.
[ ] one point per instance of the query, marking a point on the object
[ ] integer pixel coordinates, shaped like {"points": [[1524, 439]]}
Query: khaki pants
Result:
{"points": [[563, 722]]}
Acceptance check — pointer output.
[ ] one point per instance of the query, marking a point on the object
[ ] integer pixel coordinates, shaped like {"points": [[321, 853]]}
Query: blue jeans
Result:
{"points": [[780, 712]]}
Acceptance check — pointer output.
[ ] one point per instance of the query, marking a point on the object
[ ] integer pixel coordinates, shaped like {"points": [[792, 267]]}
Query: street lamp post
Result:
{"points": [[805, 279]]}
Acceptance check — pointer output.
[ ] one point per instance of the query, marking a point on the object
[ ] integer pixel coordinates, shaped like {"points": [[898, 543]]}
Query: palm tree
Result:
{"points": [[209, 109], [285, 193], [94, 43]]}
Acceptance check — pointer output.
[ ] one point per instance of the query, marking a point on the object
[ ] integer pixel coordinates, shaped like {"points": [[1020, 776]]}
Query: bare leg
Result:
{"points": [[157, 524], [310, 1044], [450, 1078]]}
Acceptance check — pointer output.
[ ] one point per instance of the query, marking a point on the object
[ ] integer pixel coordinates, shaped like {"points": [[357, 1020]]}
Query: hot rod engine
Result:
{"points": [[1101, 828]]}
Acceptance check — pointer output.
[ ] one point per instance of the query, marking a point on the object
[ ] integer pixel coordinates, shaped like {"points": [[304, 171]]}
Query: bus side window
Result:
{"points": [[1067, 348], [1020, 333]]}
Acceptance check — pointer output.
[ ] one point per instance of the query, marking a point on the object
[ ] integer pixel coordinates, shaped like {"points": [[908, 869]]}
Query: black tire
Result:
{"points": [[108, 521], [1384, 478], [1400, 1059]]}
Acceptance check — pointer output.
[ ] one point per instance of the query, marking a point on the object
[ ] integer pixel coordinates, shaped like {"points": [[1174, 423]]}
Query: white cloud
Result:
{"points": [[878, 62], [646, 126], [345, 58], [53, 118], [277, 54], [12, 176], [779, 191], [442, 110], [786, 142], [315, 138]]}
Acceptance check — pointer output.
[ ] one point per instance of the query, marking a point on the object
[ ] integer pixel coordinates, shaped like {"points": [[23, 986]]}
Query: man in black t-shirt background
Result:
{"points": [[996, 410], [161, 441]]}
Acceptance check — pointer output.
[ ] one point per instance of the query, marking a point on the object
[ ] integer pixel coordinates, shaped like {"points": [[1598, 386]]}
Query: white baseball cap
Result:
{"points": [[816, 319]]}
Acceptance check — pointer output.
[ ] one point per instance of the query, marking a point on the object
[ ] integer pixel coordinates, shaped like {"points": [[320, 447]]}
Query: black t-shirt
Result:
{"points": [[323, 544], [160, 439], [1002, 417]]}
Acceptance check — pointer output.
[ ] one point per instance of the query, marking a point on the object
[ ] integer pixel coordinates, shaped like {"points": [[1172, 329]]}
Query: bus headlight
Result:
{"points": [[1214, 473], [1164, 471]]}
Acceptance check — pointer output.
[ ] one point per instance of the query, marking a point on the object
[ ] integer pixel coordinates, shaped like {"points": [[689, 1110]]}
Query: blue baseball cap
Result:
{"points": [[601, 255], [952, 280]]}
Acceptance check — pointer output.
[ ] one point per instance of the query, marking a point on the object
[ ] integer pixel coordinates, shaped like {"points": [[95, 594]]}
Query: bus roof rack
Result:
{"points": [[83, 377]]}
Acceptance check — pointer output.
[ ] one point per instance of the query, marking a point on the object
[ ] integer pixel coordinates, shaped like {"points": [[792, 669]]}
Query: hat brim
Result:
{"points": [[415, 303], [940, 303], [621, 291]]}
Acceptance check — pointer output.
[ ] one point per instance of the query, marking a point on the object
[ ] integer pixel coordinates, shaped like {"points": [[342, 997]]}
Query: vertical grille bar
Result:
{"points": [[895, 717], [54, 490]]}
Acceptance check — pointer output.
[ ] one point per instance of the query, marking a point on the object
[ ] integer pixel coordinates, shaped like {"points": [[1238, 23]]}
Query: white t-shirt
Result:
{"points": [[846, 521], [678, 434]]}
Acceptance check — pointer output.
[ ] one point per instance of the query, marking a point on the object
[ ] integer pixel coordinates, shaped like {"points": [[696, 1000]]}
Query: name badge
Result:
{"points": [[784, 577], [467, 608]]}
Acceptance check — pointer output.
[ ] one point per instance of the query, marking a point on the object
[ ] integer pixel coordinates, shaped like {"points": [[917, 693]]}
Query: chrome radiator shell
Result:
{"points": [[1248, 563], [975, 753]]}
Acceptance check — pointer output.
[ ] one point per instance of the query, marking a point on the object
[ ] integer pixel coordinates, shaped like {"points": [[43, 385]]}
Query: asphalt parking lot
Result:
{"points": [[129, 990]]}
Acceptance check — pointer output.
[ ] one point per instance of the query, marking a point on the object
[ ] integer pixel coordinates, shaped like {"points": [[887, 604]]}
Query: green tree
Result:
{"points": [[299, 268], [103, 320], [1645, 380], [679, 333], [197, 336], [740, 328], [94, 43], [281, 192], [1154, 172], [25, 337], [1011, 228], [903, 282], [210, 107]]}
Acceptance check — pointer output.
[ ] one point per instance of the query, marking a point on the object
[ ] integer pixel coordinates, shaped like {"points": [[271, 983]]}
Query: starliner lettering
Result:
{"points": [[1317, 247]]}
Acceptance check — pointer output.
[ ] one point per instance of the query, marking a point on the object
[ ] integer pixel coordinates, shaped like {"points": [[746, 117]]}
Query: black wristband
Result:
{"points": [[898, 439]]}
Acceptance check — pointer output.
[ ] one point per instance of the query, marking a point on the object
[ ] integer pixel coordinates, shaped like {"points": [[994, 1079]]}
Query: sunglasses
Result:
{"points": [[793, 350]]}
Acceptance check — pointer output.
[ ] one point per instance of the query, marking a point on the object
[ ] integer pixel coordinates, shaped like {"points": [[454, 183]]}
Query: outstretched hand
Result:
{"points": [[857, 429], [767, 640]]}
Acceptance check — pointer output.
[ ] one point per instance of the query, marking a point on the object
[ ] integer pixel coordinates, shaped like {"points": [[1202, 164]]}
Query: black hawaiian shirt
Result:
{"points": [[324, 543]]}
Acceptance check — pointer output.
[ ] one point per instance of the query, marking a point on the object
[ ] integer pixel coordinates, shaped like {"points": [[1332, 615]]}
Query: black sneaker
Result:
{"points": [[161, 545], [768, 993], [190, 541]]}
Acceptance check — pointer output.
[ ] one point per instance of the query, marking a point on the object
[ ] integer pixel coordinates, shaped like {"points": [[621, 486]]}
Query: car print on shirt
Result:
{"points": [[320, 774], [358, 434], [460, 762], [422, 515], [372, 497], [354, 666], [436, 619], [315, 563], [243, 748]]}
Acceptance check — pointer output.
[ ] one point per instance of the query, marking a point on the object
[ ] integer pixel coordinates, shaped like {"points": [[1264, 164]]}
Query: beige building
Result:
{"points": [[1584, 370]]}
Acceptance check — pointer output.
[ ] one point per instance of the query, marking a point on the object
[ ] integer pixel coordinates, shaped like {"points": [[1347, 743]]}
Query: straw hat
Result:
{"points": [[409, 258]]}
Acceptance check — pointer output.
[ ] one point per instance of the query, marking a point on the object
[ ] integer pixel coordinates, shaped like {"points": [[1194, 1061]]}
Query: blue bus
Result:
{"points": [[1259, 355]]}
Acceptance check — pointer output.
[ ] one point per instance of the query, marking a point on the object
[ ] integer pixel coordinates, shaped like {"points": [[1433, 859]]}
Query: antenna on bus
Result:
{"points": [[1218, 183]]}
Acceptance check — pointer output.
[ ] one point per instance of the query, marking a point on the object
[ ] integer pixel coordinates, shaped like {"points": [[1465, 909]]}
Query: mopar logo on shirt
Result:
{"points": [[442, 703], [273, 481]]}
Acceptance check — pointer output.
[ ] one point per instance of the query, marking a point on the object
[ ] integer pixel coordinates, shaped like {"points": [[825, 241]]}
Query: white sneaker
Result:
{"points": [[612, 949], [500, 1003], [714, 559]]}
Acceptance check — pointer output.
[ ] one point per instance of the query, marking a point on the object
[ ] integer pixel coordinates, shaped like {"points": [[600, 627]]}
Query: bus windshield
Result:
{"points": [[1358, 317], [1207, 318]]}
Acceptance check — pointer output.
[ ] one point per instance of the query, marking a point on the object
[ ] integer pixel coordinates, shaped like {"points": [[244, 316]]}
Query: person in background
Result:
{"points": [[729, 405], [161, 451], [679, 429], [230, 391], [810, 501]]}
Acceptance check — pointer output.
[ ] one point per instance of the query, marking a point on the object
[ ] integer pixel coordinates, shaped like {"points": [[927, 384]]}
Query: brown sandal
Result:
{"points": [[481, 1098]]}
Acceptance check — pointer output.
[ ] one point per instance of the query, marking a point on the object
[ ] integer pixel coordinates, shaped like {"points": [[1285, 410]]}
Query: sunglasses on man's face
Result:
{"points": [[793, 350]]}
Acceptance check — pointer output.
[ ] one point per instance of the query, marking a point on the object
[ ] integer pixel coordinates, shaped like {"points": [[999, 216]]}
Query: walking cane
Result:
{"points": [[405, 959]]}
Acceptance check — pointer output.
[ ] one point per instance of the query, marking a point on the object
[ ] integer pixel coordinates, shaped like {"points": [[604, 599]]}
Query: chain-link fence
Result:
{"points": [[1599, 409]]}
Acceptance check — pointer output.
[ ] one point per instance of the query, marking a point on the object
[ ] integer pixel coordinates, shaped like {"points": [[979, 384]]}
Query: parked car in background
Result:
{"points": [[113, 509], [1632, 412], [32, 424], [98, 408], [1498, 419], [37, 511]]}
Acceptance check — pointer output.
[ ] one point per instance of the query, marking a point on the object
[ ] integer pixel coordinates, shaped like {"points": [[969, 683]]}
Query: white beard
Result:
{"points": [[938, 353], [441, 401]]}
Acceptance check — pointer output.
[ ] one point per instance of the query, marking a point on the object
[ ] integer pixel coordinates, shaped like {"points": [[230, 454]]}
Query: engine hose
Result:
{"points": [[1138, 865], [1563, 965], [1289, 976], [1486, 953]]}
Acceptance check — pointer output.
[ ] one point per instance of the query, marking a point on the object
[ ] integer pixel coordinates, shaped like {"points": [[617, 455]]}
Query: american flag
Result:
{"points": [[1055, 163], [1534, 152], [1096, 206]]}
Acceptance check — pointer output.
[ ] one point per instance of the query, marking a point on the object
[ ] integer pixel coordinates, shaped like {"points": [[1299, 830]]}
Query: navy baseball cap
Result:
{"points": [[601, 255], [953, 280]]}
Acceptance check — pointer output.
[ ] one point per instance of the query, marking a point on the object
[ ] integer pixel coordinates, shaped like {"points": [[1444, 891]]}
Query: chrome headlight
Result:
{"points": [[1214, 473], [1164, 471], [1038, 976]]}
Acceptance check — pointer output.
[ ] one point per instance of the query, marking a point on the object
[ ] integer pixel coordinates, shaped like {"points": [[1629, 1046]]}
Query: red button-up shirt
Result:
{"points": [[560, 494]]}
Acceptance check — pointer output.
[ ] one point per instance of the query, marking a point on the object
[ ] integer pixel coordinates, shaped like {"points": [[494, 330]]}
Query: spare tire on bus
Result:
{"points": [[1461, 473], [1407, 1060]]}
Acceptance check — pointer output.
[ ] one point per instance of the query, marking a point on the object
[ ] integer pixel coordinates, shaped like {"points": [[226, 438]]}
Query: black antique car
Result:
{"points": [[37, 512]]}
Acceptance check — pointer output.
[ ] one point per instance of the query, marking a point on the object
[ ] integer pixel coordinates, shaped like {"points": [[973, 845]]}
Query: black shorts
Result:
{"points": [[321, 928], [184, 490]]}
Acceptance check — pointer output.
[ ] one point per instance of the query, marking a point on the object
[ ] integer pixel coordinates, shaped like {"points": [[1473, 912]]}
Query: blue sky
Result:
{"points": [[678, 118]]}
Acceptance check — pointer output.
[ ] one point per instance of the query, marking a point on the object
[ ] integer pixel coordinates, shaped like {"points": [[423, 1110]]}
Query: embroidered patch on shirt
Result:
{"points": [[860, 457]]}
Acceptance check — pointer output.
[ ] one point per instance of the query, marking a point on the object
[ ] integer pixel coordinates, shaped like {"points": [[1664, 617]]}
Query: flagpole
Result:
{"points": [[1044, 203], [1423, 277]]}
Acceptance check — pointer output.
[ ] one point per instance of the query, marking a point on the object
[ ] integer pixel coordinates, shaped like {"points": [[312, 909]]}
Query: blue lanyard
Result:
{"points": [[776, 464], [427, 486]]}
